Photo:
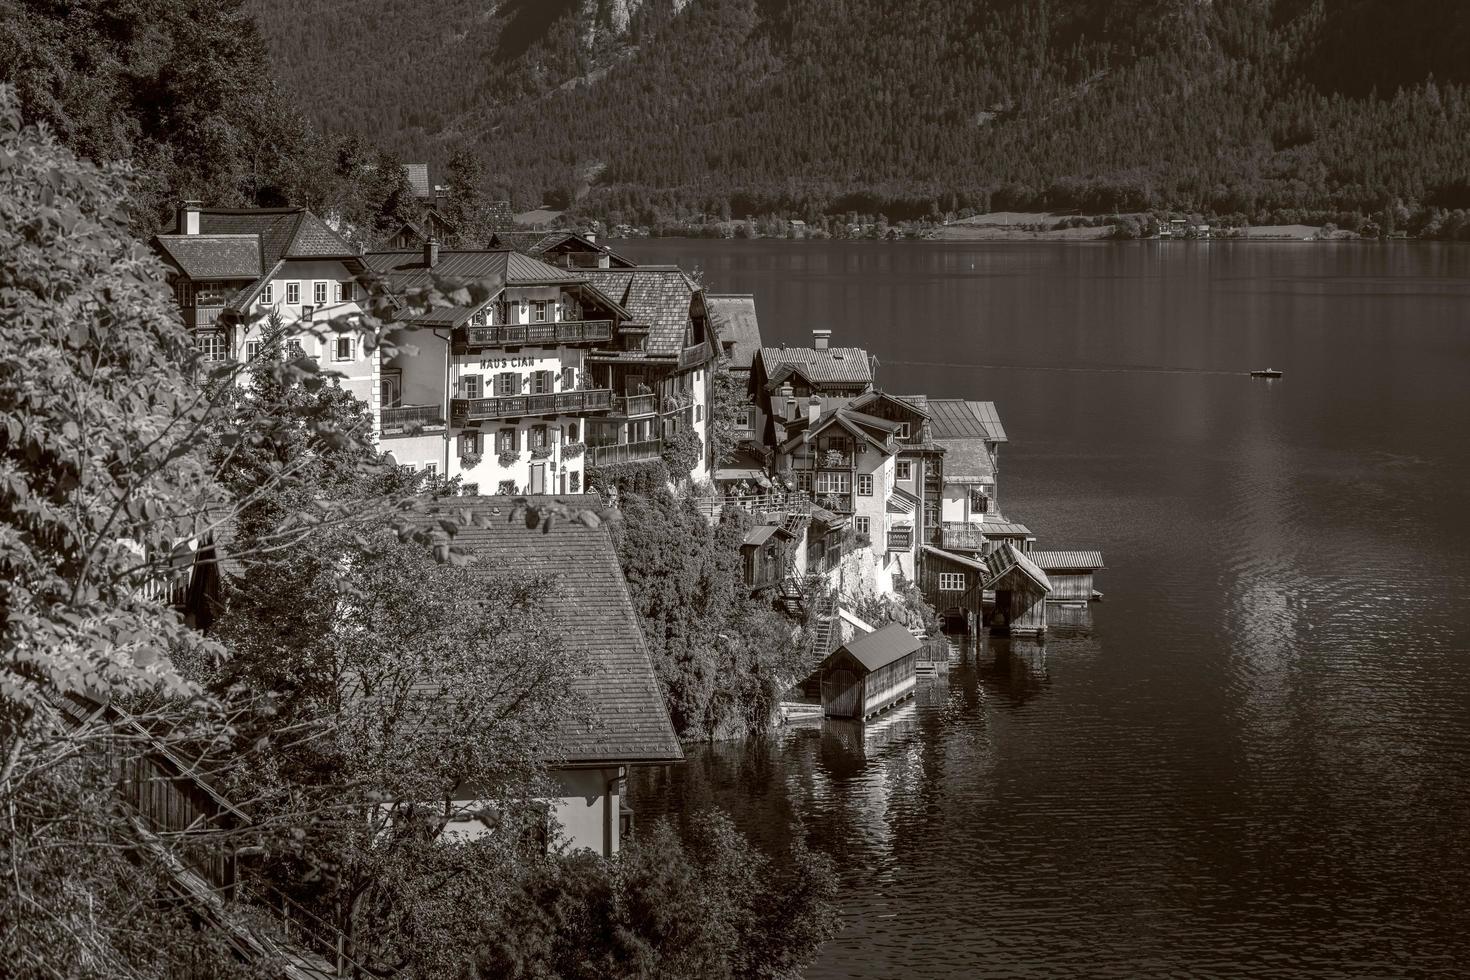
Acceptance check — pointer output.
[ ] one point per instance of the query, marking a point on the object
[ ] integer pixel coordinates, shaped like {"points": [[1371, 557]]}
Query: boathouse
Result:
{"points": [[766, 554], [1070, 573], [1020, 589], [870, 673], [954, 585]]}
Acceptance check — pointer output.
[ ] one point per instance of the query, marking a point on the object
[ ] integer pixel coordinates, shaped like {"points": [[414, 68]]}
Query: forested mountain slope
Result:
{"points": [[830, 105]]}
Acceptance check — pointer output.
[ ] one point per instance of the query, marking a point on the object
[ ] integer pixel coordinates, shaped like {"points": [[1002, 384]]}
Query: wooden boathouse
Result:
{"points": [[870, 673], [1020, 590], [1070, 573]]}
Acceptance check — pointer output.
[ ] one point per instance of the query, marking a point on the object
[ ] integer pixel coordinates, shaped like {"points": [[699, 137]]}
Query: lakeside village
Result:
{"points": [[582, 369]]}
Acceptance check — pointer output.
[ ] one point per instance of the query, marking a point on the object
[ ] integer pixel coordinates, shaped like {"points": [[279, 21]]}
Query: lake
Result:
{"points": [[1256, 761]]}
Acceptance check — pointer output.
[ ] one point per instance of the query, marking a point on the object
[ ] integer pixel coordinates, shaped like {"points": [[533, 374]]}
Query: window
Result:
{"points": [[833, 482], [293, 293], [319, 293], [478, 319], [574, 482], [931, 513], [568, 378], [538, 311], [469, 385], [699, 413], [469, 442], [804, 481], [572, 432], [540, 382], [184, 292], [268, 294], [903, 430], [865, 484], [345, 291], [505, 441], [507, 383], [214, 345], [905, 470], [431, 470], [252, 350], [342, 348], [951, 581], [862, 524], [540, 437]]}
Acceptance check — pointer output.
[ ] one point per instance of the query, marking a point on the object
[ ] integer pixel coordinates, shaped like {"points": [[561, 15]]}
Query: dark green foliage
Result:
{"points": [[726, 414], [710, 906], [745, 107], [682, 452], [641, 478]]}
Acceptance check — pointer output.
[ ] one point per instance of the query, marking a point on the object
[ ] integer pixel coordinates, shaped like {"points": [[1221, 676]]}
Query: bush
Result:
{"points": [[641, 478]]}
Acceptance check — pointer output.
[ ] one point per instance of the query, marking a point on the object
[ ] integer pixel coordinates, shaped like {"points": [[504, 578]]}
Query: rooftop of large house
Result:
{"points": [[734, 319], [234, 244], [957, 418], [494, 269], [539, 243], [829, 365], [657, 297], [868, 428], [593, 618]]}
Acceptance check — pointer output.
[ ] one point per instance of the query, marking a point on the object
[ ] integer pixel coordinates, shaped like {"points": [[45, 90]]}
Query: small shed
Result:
{"points": [[765, 554], [869, 674], [1070, 573], [1020, 590], [954, 585]]}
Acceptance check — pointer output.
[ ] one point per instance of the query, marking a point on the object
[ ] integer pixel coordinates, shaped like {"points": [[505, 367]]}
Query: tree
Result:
{"points": [[727, 415], [708, 905]]}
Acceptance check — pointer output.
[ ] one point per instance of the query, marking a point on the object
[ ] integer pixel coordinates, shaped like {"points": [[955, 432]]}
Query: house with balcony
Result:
{"points": [[784, 379], [497, 391], [659, 367], [918, 470], [231, 268], [970, 433], [846, 460]]}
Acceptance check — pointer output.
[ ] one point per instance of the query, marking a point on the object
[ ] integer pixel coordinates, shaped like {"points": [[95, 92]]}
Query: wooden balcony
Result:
{"points": [[901, 539], [462, 410], [961, 536], [409, 419], [626, 452], [202, 316], [632, 406], [837, 503], [692, 357], [534, 334]]}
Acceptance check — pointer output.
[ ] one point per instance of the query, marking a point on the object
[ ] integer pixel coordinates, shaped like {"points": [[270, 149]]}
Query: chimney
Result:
{"points": [[788, 401], [813, 409], [590, 235], [821, 339], [187, 218], [431, 252]]}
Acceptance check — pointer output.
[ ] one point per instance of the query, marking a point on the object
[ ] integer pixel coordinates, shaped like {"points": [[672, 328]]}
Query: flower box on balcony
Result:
{"points": [[541, 452], [509, 458]]}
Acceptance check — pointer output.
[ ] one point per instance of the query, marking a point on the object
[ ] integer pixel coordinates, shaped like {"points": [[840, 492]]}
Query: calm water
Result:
{"points": [[1257, 761]]}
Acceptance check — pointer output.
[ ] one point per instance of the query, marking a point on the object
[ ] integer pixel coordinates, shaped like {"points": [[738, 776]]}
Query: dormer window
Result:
{"points": [[903, 431], [478, 320]]}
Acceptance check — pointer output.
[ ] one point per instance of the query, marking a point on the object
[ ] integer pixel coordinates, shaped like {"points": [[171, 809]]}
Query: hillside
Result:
{"points": [[748, 106]]}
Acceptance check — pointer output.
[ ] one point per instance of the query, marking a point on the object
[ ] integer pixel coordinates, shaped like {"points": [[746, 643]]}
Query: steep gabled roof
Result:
{"points": [[538, 243], [859, 425], [1008, 558], [284, 233], [418, 179], [834, 365], [881, 647], [594, 618], [212, 256], [658, 297], [734, 319], [906, 404]]}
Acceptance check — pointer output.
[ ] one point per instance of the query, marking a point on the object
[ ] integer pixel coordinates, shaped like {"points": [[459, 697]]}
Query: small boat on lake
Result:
{"points": [[1266, 373]]}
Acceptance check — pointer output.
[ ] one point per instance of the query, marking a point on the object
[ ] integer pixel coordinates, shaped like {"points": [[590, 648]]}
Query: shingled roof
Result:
{"points": [[734, 319], [593, 617], [833, 365], [658, 297], [284, 233], [1007, 558], [213, 256], [881, 647], [417, 175]]}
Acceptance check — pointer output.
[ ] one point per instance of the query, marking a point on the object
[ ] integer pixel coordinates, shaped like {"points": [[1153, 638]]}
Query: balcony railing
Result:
{"points": [[202, 316], [838, 503], [634, 405], [693, 356], [517, 334], [464, 410], [626, 452], [901, 539], [407, 419], [961, 536]]}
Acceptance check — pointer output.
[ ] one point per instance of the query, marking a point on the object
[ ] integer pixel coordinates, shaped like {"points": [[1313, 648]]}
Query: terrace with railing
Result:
{"points": [[961, 536], [462, 410], [625, 452], [521, 334], [901, 539], [410, 419], [693, 356], [632, 406], [202, 316]]}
